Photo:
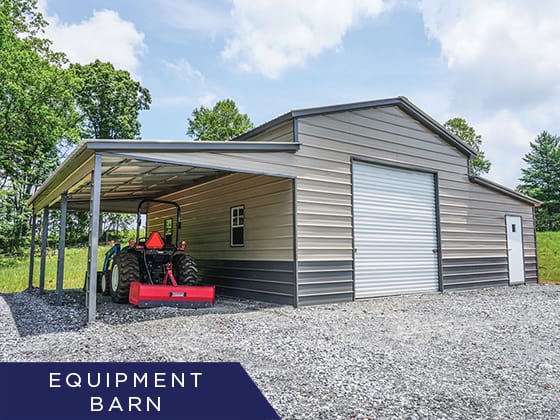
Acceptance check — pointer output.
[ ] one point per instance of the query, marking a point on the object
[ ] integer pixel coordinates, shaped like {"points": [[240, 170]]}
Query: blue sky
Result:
{"points": [[496, 64]]}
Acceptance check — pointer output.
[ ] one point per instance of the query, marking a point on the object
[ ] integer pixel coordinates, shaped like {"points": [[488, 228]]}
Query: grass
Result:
{"points": [[548, 246], [14, 272]]}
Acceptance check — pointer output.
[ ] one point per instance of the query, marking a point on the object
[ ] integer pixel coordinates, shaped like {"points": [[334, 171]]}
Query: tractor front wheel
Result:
{"points": [[184, 269], [125, 270]]}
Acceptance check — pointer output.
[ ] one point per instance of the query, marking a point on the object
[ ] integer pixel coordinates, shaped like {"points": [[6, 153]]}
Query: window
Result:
{"points": [[237, 237]]}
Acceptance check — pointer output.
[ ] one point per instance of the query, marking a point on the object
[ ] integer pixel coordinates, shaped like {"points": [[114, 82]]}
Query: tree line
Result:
{"points": [[47, 104], [540, 178]]}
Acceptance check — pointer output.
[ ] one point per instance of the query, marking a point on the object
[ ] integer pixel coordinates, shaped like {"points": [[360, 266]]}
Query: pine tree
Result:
{"points": [[541, 179]]}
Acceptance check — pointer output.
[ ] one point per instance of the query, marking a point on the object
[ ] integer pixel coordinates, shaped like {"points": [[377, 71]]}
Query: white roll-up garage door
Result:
{"points": [[395, 231]]}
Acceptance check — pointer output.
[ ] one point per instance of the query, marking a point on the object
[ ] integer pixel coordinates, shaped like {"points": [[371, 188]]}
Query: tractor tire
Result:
{"points": [[126, 269], [184, 269], [106, 283]]}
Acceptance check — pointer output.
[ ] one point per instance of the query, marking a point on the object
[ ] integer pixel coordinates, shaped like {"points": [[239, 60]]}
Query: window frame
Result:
{"points": [[236, 222]]}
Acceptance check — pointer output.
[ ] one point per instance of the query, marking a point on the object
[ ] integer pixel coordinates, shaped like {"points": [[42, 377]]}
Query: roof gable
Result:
{"points": [[401, 102]]}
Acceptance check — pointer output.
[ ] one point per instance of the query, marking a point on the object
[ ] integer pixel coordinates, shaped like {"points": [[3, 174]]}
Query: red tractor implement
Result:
{"points": [[155, 272]]}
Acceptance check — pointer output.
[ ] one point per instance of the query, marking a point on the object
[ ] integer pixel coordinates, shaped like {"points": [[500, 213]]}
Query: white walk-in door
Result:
{"points": [[395, 231], [515, 250]]}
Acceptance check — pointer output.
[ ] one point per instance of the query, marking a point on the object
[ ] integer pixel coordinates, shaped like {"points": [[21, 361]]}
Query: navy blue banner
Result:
{"points": [[41, 391]]}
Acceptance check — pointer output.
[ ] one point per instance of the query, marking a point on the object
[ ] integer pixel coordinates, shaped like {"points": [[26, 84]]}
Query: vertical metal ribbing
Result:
{"points": [[44, 235], [94, 210], [61, 248], [32, 250]]}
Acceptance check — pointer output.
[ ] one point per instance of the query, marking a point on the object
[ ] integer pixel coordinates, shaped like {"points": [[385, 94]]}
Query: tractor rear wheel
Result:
{"points": [[184, 269], [105, 283], [126, 269]]}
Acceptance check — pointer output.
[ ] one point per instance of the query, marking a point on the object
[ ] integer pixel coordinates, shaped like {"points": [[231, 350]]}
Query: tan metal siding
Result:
{"points": [[282, 133], [329, 142], [205, 212], [264, 268], [472, 217]]}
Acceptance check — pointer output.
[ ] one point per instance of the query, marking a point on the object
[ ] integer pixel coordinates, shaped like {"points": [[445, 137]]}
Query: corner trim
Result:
{"points": [[352, 160], [536, 246], [295, 242], [438, 232]]}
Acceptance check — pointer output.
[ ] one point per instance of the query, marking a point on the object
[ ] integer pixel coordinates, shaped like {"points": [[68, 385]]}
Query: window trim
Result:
{"points": [[234, 224]]}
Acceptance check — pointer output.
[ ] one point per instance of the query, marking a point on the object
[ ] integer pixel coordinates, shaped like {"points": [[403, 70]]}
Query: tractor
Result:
{"points": [[141, 271]]}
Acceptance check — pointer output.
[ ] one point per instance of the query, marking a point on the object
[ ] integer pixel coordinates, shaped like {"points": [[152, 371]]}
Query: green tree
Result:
{"points": [[459, 127], [222, 122], [109, 101], [541, 179], [37, 113]]}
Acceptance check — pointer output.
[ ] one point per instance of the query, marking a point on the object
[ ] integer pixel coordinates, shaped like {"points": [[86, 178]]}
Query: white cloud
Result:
{"points": [[184, 70], [207, 17], [504, 64], [195, 90], [269, 37], [506, 139], [104, 36], [503, 52]]}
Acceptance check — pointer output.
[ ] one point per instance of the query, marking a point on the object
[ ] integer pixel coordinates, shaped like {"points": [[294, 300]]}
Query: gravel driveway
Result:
{"points": [[476, 354]]}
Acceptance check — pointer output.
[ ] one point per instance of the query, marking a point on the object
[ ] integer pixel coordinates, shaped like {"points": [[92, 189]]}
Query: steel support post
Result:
{"points": [[94, 209], [61, 248], [32, 250], [44, 235]]}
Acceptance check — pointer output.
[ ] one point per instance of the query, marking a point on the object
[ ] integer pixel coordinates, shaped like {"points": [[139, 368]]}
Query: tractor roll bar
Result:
{"points": [[149, 200]]}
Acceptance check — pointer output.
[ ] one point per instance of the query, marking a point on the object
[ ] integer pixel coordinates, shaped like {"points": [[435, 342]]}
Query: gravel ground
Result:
{"points": [[490, 353]]}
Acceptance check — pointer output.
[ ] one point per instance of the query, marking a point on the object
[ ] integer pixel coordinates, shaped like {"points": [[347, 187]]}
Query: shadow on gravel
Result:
{"points": [[34, 314]]}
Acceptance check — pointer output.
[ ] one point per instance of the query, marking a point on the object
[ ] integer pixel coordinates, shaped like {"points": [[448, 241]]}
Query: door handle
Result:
{"points": [[435, 251]]}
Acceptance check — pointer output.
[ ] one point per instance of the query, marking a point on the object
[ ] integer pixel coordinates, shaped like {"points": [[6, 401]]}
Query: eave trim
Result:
{"points": [[180, 146], [505, 190], [401, 102]]}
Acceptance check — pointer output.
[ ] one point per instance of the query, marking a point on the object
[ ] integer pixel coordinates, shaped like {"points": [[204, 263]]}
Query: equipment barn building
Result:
{"points": [[319, 205]]}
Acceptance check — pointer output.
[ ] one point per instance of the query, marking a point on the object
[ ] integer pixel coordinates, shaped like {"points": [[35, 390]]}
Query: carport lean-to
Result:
{"points": [[116, 175], [339, 202]]}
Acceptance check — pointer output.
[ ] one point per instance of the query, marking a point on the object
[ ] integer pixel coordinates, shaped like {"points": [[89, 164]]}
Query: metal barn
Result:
{"points": [[319, 205]]}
